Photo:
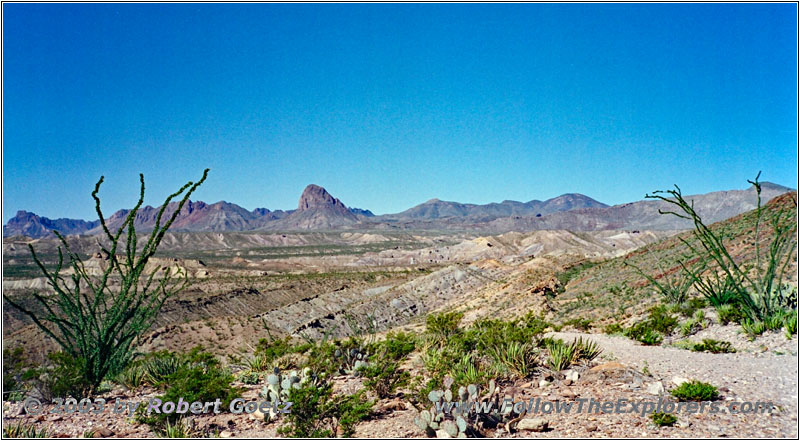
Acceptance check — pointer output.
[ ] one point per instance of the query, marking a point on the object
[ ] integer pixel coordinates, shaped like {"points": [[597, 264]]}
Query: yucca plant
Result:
{"points": [[518, 358], [561, 355], [673, 286], [98, 320], [585, 350], [23, 430], [158, 369], [132, 377]]}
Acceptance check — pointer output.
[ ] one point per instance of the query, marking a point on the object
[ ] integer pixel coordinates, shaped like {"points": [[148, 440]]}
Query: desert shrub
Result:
{"points": [[396, 346], [753, 329], [250, 378], [713, 346], [64, 377], [98, 329], [579, 324], [695, 391], [17, 371], [268, 350], [661, 320], [384, 377], [694, 324], [689, 308], [662, 419], [613, 328], [444, 324], [729, 313], [644, 333], [790, 324], [198, 378], [23, 430], [316, 413]]}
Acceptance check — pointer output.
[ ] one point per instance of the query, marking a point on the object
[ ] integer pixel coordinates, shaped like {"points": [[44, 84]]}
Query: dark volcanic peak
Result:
{"points": [[315, 196]]}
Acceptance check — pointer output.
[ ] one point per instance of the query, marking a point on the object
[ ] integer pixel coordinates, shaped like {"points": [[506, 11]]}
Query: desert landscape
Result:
{"points": [[278, 291], [399, 221]]}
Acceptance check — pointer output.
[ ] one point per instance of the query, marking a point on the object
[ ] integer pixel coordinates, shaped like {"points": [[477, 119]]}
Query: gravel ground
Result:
{"points": [[741, 376]]}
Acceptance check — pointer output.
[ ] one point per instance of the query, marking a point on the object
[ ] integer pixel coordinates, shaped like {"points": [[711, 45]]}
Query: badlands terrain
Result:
{"points": [[325, 271]]}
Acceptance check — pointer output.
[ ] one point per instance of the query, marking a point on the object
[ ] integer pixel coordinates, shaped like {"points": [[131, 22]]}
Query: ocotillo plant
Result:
{"points": [[757, 288], [98, 319]]}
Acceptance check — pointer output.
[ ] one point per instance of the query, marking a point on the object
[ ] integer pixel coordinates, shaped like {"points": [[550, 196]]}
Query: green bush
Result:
{"points": [[579, 324], [790, 324], [662, 419], [15, 373], [713, 346], [444, 324], [198, 378], [384, 376], [729, 313], [695, 391], [395, 347], [65, 377], [316, 413], [613, 328], [561, 355]]}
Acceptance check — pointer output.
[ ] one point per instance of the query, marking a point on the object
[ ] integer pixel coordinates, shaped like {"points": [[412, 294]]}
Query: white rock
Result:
{"points": [[655, 388], [543, 383]]}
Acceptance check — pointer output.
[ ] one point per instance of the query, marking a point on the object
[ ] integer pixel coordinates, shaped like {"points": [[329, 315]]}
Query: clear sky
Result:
{"points": [[388, 106]]}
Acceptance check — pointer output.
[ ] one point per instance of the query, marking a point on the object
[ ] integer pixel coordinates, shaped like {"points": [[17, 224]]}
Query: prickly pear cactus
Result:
{"points": [[279, 385], [350, 360], [469, 415]]}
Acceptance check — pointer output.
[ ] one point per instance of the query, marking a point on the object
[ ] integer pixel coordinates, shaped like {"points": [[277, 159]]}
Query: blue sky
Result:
{"points": [[387, 106]]}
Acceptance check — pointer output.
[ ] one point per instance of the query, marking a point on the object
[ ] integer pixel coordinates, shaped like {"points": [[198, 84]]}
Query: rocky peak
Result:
{"points": [[315, 196]]}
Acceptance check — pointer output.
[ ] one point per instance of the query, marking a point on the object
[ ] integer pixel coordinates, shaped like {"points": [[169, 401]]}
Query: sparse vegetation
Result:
{"points": [[23, 430], [695, 391], [662, 419]]}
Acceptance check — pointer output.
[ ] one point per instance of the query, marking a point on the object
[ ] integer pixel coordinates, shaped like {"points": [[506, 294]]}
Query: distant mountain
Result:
{"points": [[31, 225], [316, 210], [436, 209], [319, 210], [643, 215]]}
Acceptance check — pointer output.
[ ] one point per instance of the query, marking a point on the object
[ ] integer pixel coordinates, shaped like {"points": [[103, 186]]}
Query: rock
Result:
{"points": [[683, 424], [568, 394], [571, 375], [533, 424], [225, 434], [442, 434], [258, 415], [591, 428], [677, 381], [57, 418], [102, 432], [610, 366], [543, 383], [655, 388], [567, 382]]}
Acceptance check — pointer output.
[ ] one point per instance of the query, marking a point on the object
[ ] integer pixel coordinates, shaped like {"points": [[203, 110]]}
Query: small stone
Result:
{"points": [[442, 434], [225, 434], [683, 424], [655, 388], [543, 383], [533, 424], [591, 428], [103, 432], [567, 382]]}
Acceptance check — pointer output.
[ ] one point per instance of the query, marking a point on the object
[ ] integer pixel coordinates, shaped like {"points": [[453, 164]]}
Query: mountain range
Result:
{"points": [[319, 210]]}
